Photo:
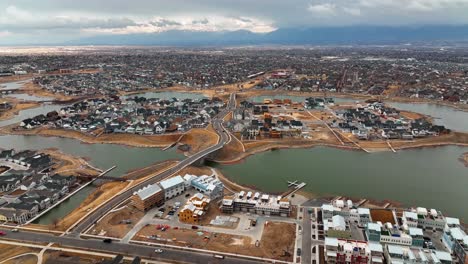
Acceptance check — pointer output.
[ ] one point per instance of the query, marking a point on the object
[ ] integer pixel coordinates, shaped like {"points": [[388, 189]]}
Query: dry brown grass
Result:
{"points": [[70, 257], [97, 197], [18, 105], [70, 165], [382, 215], [200, 138], [8, 251], [277, 238], [112, 223], [123, 139]]}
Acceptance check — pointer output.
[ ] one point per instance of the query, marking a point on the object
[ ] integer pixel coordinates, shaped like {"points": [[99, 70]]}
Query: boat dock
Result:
{"points": [[294, 187]]}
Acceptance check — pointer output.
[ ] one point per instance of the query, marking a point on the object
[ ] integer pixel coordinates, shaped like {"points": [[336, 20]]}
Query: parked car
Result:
{"points": [[15, 230], [107, 240], [2, 233], [158, 250], [194, 227], [299, 251]]}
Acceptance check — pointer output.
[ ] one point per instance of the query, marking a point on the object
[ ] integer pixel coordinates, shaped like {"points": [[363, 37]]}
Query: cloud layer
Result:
{"points": [[21, 20]]}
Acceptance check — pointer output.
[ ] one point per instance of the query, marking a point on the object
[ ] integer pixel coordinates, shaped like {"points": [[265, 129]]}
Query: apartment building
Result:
{"points": [[456, 241], [395, 254], [346, 210], [172, 187], [349, 251], [262, 204], [195, 208], [148, 197], [336, 227], [207, 185]]}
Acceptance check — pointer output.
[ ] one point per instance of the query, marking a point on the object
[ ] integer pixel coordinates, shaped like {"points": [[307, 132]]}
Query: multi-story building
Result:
{"points": [[395, 254], [456, 241], [172, 187], [430, 220], [336, 227], [194, 209], [208, 185], [148, 197], [410, 219], [346, 210], [257, 203], [387, 234], [417, 236], [346, 251]]}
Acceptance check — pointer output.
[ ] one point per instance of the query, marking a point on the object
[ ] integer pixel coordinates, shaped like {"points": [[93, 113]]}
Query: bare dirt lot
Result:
{"points": [[199, 139], [9, 251], [98, 196], [118, 223], [277, 239], [55, 257]]}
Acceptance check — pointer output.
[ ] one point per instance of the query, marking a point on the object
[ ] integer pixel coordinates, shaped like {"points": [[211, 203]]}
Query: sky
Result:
{"points": [[42, 21]]}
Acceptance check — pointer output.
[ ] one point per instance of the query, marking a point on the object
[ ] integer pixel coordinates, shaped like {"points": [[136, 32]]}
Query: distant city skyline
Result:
{"points": [[55, 21]]}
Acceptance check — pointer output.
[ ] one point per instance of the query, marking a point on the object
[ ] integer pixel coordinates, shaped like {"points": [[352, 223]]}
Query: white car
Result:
{"points": [[158, 250]]}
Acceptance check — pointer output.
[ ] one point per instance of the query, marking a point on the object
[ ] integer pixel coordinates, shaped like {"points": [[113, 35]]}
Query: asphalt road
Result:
{"points": [[223, 139], [169, 255]]}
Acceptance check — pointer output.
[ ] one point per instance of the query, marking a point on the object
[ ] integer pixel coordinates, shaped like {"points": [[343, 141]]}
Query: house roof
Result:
{"points": [[374, 226], [393, 249], [457, 233], [171, 182], [148, 191], [375, 247], [331, 241], [415, 231], [452, 221], [363, 211]]}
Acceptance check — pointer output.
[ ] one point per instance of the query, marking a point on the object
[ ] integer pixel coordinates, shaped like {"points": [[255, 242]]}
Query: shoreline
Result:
{"points": [[464, 159], [241, 156]]}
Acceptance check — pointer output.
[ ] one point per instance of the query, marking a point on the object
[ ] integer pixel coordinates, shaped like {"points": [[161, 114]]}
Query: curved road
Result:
{"points": [[224, 137]]}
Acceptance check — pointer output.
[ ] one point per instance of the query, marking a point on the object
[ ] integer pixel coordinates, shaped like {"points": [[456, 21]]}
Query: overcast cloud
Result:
{"points": [[31, 21]]}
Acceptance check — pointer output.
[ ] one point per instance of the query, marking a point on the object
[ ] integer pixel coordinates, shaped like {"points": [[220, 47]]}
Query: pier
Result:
{"points": [[294, 187]]}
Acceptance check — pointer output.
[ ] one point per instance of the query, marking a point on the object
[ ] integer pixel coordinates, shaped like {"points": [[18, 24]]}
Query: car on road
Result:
{"points": [[2, 233], [158, 250], [107, 240], [194, 227], [299, 251], [15, 230]]}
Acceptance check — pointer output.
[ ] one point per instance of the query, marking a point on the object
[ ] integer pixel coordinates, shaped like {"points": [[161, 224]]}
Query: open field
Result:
{"points": [[277, 239], [52, 256], [9, 251], [118, 223], [199, 139], [70, 165]]}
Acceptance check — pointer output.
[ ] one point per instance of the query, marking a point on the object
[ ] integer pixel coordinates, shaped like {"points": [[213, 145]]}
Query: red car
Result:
{"points": [[2, 233]]}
